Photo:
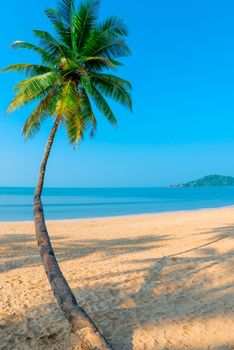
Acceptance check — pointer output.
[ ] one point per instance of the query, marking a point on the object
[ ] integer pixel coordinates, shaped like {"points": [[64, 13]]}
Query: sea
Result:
{"points": [[16, 203]]}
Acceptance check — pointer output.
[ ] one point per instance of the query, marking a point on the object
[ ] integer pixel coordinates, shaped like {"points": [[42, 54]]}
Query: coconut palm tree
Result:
{"points": [[73, 76]]}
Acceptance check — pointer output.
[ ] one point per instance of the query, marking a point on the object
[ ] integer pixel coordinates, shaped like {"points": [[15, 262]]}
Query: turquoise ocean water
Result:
{"points": [[71, 203]]}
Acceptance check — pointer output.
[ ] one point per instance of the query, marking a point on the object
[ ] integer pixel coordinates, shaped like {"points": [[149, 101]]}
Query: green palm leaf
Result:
{"points": [[66, 10], [113, 87], [64, 33], [33, 88], [51, 45], [107, 40], [45, 56], [27, 69], [103, 106], [86, 111], [74, 61], [84, 21], [67, 100], [42, 111]]}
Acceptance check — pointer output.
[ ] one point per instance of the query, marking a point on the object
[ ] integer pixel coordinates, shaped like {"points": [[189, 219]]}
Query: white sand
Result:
{"points": [[149, 282]]}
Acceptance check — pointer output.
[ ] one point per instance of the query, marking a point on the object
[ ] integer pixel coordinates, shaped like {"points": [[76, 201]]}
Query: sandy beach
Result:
{"points": [[163, 281]]}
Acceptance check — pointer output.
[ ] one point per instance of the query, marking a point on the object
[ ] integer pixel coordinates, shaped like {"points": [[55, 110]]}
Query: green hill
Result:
{"points": [[209, 181]]}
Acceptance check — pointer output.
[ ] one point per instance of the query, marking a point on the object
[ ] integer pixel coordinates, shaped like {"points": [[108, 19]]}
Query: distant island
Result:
{"points": [[208, 181]]}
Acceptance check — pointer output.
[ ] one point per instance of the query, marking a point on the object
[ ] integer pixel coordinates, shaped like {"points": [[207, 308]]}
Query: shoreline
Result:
{"points": [[122, 216]]}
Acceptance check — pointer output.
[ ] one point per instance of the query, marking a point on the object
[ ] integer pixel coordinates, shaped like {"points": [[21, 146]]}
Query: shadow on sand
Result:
{"points": [[169, 289]]}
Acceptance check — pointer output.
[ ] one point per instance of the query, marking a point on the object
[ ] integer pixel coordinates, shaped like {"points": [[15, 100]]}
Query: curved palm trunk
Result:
{"points": [[89, 335]]}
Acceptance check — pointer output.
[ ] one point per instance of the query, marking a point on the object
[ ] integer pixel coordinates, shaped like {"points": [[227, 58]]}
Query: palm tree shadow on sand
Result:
{"points": [[142, 307]]}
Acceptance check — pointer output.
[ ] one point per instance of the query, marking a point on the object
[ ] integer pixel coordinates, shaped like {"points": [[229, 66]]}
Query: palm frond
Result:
{"points": [[75, 129], [81, 121], [66, 10], [45, 56], [86, 111], [103, 106], [51, 45], [108, 46], [86, 83], [99, 63], [113, 87], [84, 21], [38, 115], [32, 88], [61, 30], [27, 69], [107, 40], [113, 25], [67, 100]]}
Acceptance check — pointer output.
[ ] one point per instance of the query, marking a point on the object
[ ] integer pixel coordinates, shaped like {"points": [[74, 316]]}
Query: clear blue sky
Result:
{"points": [[182, 127]]}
